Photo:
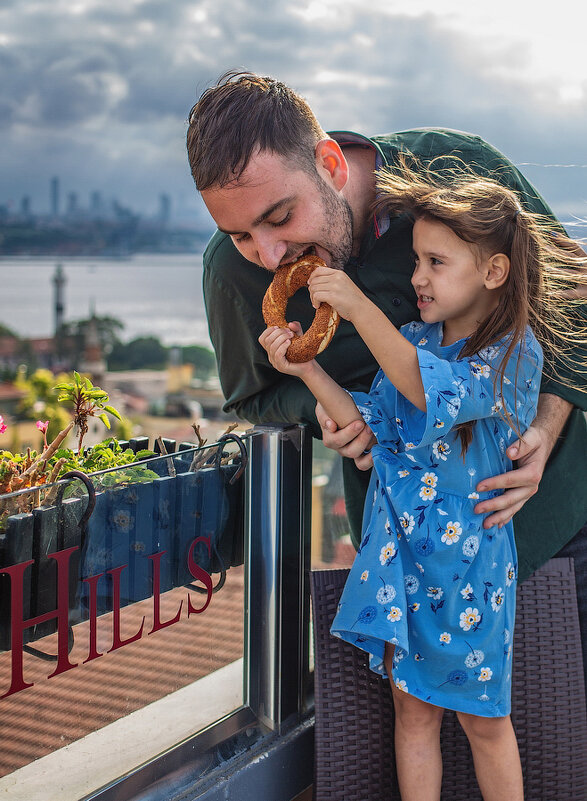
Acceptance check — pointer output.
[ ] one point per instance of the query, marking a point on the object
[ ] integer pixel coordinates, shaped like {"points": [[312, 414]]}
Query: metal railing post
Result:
{"points": [[277, 589]]}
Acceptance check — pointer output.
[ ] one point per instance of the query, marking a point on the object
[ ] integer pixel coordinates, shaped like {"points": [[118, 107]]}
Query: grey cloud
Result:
{"points": [[110, 89]]}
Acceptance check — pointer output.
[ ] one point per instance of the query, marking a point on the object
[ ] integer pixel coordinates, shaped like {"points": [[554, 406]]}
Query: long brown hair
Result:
{"points": [[544, 265]]}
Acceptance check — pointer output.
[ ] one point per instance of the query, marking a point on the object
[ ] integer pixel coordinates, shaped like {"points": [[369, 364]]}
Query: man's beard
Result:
{"points": [[338, 221]]}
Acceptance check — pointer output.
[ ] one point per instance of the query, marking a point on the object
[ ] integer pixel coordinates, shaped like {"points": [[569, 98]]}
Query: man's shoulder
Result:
{"points": [[428, 143], [218, 249]]}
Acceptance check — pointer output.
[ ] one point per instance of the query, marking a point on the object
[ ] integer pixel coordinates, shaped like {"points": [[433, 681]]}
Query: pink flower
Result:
{"points": [[43, 426], [3, 425]]}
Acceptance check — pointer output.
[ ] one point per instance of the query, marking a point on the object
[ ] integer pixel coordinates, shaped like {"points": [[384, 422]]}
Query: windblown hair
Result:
{"points": [[241, 114], [546, 266]]}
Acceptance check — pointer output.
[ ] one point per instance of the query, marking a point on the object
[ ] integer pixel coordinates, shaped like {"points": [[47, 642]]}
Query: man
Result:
{"points": [[278, 186]]}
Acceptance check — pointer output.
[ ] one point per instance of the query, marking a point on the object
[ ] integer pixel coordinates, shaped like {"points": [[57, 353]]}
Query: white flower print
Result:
{"points": [[467, 592], [401, 685], [409, 445], [445, 638], [423, 341], [485, 674], [435, 592], [510, 574], [480, 370], [427, 493], [430, 479], [387, 553], [364, 576], [440, 449], [469, 618], [386, 594], [474, 659], [452, 533], [414, 607], [387, 527], [461, 387], [471, 545], [403, 473], [498, 405], [474, 496], [419, 566], [489, 353], [395, 614], [414, 327], [506, 636], [407, 523], [412, 584], [497, 600], [453, 406]]}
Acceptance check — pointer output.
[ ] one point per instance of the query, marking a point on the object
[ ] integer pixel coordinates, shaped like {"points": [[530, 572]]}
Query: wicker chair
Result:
{"points": [[354, 755]]}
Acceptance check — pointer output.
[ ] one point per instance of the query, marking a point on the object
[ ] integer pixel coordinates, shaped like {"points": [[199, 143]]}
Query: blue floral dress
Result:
{"points": [[427, 576]]}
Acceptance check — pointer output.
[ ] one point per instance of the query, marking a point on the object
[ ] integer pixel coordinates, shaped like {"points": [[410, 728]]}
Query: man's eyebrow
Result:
{"points": [[262, 217]]}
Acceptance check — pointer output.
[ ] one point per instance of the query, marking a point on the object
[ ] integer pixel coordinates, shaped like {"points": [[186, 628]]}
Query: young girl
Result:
{"points": [[431, 594]]}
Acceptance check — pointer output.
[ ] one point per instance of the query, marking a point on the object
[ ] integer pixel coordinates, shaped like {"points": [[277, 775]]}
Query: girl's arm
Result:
{"points": [[397, 357], [338, 403]]}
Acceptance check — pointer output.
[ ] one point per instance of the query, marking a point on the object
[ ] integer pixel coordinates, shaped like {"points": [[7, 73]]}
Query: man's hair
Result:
{"points": [[244, 113]]}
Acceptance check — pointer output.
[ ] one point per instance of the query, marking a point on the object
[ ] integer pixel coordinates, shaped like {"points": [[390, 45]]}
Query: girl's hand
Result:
{"points": [[336, 288], [276, 341]]}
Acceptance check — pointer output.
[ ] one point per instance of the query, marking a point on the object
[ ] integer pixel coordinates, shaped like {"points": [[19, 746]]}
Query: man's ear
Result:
{"points": [[497, 270], [331, 163]]}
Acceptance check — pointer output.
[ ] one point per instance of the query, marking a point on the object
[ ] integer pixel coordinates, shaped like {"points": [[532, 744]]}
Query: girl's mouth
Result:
{"points": [[424, 301]]}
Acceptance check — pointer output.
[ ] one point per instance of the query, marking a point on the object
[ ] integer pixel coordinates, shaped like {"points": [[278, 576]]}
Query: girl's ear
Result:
{"points": [[331, 163], [497, 271]]}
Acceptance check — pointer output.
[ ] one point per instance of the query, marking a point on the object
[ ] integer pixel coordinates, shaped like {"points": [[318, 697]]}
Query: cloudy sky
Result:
{"points": [[97, 92]]}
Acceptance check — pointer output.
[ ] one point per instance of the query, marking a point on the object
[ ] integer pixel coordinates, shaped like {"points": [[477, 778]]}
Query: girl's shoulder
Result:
{"points": [[418, 332], [527, 348]]}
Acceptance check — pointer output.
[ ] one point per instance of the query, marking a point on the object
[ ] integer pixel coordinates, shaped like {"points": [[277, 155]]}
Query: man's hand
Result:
{"points": [[354, 441], [531, 454]]}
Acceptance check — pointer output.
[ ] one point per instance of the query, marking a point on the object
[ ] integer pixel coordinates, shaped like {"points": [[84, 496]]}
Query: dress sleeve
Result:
{"points": [[377, 408], [470, 389]]}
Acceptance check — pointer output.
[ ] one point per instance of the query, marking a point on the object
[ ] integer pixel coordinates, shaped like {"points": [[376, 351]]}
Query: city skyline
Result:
{"points": [[99, 94]]}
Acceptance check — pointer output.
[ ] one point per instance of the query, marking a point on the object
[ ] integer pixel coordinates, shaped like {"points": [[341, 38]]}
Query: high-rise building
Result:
{"points": [[55, 197]]}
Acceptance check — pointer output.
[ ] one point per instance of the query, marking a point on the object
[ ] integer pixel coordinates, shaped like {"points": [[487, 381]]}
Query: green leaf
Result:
{"points": [[104, 419], [113, 411]]}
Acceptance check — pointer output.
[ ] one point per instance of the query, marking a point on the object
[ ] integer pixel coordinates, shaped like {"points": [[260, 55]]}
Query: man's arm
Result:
{"points": [[530, 454]]}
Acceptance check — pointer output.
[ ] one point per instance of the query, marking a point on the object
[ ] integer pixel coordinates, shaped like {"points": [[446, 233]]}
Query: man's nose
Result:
{"points": [[270, 252]]}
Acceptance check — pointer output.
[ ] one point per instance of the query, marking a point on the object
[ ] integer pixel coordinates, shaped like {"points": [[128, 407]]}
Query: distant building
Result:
{"points": [[55, 197], [59, 281]]}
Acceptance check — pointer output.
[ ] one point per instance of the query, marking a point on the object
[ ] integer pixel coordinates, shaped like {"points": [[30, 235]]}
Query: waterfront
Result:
{"points": [[152, 294]]}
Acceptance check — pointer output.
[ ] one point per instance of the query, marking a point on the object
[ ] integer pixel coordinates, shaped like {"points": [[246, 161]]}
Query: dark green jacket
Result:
{"points": [[234, 288]]}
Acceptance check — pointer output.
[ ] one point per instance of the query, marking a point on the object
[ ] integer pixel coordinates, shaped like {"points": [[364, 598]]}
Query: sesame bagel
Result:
{"points": [[286, 282]]}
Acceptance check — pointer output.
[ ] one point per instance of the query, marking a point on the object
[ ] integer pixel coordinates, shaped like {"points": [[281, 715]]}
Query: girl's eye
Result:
{"points": [[435, 261], [240, 238]]}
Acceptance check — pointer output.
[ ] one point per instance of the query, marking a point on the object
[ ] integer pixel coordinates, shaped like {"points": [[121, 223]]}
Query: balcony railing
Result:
{"points": [[115, 620]]}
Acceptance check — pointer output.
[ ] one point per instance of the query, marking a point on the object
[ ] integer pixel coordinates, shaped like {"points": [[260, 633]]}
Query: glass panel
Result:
{"points": [[331, 541], [134, 622]]}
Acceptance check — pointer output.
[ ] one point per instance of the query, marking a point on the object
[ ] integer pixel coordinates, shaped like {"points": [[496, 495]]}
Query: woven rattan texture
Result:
{"points": [[354, 711]]}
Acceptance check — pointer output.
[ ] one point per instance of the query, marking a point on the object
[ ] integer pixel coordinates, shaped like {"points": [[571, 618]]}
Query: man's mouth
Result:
{"points": [[291, 259]]}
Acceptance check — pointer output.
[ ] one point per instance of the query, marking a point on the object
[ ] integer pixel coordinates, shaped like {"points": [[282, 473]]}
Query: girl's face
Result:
{"points": [[450, 280]]}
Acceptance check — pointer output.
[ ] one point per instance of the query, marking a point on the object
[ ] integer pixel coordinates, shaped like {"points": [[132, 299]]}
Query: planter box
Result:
{"points": [[128, 524]]}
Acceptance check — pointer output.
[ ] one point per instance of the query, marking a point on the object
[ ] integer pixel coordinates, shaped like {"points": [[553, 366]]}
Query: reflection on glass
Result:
{"points": [[331, 541], [110, 617]]}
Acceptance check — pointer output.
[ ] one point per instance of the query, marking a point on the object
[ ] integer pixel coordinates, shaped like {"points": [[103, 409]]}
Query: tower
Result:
{"points": [[59, 281], [55, 197]]}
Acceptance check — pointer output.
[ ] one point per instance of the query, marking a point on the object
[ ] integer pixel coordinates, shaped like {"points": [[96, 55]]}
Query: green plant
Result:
{"points": [[33, 470], [88, 401]]}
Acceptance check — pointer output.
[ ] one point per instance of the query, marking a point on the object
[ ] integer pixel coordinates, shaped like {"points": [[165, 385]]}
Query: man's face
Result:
{"points": [[274, 213]]}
